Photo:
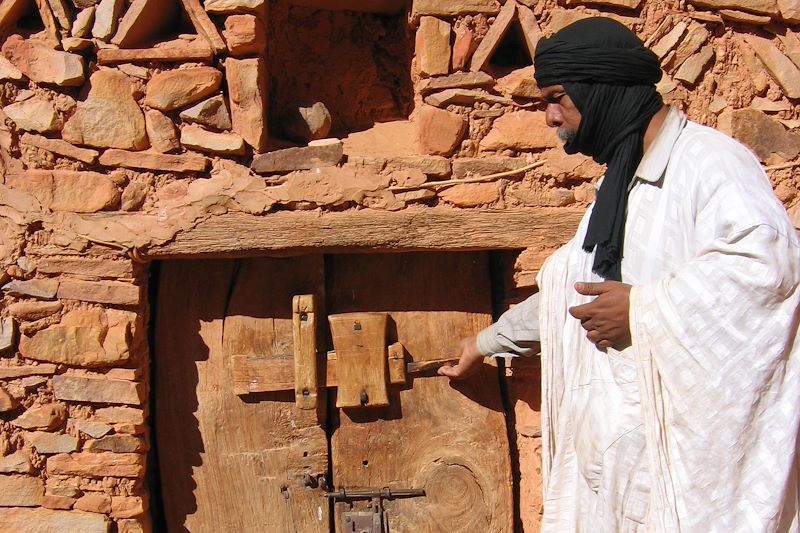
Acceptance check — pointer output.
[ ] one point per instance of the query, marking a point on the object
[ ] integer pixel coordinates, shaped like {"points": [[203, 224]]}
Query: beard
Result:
{"points": [[566, 134]]}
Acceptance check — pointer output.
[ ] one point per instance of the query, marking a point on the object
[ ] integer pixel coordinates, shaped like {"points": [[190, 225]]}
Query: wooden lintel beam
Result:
{"points": [[370, 230]]}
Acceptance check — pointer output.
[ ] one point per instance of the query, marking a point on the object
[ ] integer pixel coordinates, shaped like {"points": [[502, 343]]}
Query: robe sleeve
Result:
{"points": [[515, 333]]}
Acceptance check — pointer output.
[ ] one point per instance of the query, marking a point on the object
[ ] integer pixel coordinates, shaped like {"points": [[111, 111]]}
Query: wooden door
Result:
{"points": [[451, 443], [231, 463], [256, 463]]}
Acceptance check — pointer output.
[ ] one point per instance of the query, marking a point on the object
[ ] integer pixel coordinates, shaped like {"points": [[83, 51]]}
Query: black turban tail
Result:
{"points": [[610, 76]]}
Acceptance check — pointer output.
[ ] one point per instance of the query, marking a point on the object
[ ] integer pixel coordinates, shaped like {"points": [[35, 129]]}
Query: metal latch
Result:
{"points": [[374, 519]]}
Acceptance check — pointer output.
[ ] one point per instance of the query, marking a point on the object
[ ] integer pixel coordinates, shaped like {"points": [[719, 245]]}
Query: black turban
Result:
{"points": [[610, 76]]}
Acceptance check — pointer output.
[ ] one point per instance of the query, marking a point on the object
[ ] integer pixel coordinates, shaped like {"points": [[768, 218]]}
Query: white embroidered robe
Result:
{"points": [[694, 428]]}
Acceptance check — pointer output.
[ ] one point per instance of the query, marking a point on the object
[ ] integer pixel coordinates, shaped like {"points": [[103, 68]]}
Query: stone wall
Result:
{"points": [[126, 125]]}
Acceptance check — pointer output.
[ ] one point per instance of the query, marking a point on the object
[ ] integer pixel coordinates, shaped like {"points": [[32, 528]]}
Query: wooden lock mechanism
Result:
{"points": [[361, 365], [359, 340]]}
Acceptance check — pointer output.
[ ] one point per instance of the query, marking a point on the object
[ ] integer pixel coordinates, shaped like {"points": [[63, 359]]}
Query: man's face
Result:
{"points": [[561, 112]]}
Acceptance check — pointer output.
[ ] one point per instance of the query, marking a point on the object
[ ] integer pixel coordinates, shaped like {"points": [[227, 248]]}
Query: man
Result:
{"points": [[668, 324]]}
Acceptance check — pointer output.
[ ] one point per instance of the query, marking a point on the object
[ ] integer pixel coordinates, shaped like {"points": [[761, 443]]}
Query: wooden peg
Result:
{"points": [[397, 363], [304, 326]]}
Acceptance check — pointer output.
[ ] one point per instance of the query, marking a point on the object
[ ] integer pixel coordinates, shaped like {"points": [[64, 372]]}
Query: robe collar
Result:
{"points": [[654, 162]]}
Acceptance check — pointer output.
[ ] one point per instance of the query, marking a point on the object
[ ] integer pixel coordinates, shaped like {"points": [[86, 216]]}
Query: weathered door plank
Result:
{"points": [[231, 463], [452, 443]]}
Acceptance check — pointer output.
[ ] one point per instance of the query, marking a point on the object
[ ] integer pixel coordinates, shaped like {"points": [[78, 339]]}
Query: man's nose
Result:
{"points": [[552, 116]]}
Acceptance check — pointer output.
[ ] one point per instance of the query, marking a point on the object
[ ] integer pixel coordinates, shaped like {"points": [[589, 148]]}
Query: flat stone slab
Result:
{"points": [[60, 147], [105, 18], [786, 73], [154, 161], [35, 114], [41, 520], [767, 7], [30, 310], [520, 130], [84, 20], [116, 443], [176, 53], [233, 6], [92, 428], [465, 97], [197, 138], [86, 266], [177, 88], [453, 8], [430, 165], [247, 91], [97, 465], [51, 443], [43, 64], [11, 372], [107, 292], [8, 331], [244, 35], [765, 136], [467, 167], [97, 390], [432, 46], [78, 345], [48, 416], [68, 190], [454, 81], [109, 117], [439, 131], [45, 289], [20, 491], [161, 130], [317, 153], [212, 113], [120, 415], [16, 463]]}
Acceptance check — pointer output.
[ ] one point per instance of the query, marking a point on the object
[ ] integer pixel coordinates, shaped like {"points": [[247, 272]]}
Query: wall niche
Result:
{"points": [[355, 62]]}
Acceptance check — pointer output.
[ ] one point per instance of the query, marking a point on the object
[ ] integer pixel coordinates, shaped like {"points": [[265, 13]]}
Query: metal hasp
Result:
{"points": [[374, 520]]}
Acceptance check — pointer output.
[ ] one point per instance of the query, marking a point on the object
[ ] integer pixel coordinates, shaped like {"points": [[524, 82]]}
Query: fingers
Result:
{"points": [[594, 288], [596, 324], [597, 338], [581, 312], [605, 318], [587, 310], [452, 372], [594, 336], [468, 363], [457, 372]]}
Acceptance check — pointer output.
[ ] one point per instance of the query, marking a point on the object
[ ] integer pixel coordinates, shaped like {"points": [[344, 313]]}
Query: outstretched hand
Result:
{"points": [[469, 361], [605, 318]]}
